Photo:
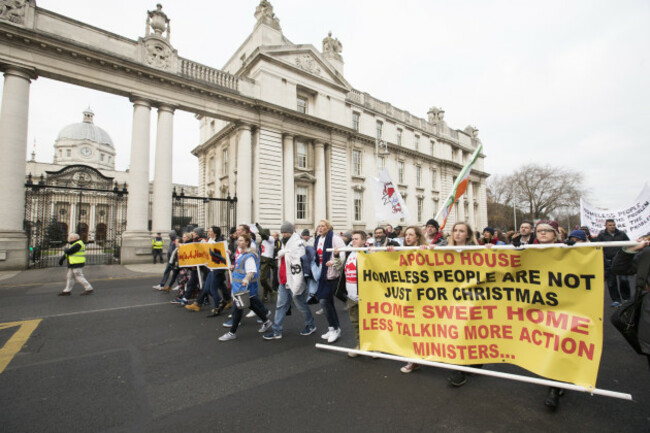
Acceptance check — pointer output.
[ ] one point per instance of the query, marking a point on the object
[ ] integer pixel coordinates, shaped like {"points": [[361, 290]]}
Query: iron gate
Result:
{"points": [[55, 208], [190, 212]]}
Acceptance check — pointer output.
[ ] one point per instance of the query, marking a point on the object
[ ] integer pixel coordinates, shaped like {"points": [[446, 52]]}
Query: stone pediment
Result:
{"points": [[308, 60], [79, 176], [305, 177]]}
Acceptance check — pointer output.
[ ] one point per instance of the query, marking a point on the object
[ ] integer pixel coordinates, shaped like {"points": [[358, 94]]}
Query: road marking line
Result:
{"points": [[17, 341]]}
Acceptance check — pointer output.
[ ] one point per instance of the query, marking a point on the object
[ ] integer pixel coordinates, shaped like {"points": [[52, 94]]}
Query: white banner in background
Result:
{"points": [[634, 219], [389, 205]]}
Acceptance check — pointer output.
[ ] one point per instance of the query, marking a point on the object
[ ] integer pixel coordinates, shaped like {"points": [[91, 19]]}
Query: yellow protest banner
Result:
{"points": [[198, 254], [540, 309]]}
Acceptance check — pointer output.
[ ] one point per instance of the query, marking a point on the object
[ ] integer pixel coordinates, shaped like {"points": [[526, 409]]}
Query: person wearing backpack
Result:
{"points": [[631, 260]]}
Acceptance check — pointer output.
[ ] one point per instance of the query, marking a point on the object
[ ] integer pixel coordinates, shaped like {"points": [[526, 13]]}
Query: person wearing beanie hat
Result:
{"points": [[306, 238], [489, 238], [200, 234], [578, 236], [287, 227], [292, 285], [433, 234]]}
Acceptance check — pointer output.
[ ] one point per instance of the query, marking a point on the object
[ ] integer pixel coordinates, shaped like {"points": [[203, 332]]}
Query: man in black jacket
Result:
{"points": [[619, 288], [636, 260]]}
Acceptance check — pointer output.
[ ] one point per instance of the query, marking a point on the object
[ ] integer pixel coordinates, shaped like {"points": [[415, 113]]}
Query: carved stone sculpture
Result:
{"points": [[13, 11], [264, 13], [332, 47]]}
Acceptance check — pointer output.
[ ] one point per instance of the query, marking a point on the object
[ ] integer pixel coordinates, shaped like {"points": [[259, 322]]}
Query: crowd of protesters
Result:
{"points": [[289, 267]]}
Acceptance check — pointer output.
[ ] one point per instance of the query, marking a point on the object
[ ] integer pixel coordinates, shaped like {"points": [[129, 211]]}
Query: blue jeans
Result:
{"points": [[168, 269], [210, 287], [284, 302], [328, 305]]}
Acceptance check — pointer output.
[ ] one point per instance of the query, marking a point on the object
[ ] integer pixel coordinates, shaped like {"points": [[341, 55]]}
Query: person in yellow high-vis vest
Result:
{"points": [[76, 256], [157, 245]]}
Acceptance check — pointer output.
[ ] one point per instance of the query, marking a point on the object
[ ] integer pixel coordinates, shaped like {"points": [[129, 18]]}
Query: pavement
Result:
{"points": [[127, 360], [103, 272]]}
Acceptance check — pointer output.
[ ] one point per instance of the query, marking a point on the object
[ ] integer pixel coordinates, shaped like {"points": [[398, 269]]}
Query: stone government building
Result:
{"points": [[280, 128], [84, 157], [315, 158]]}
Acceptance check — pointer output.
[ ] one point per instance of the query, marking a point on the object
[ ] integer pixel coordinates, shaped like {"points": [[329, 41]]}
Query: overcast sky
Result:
{"points": [[559, 82]]}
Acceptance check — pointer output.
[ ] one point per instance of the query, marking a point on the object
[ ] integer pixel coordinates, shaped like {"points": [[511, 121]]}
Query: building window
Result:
{"points": [[355, 121], [418, 176], [399, 137], [101, 156], [212, 168], [301, 203], [68, 153], [420, 208], [301, 154], [433, 145], [109, 158], [358, 204], [382, 162], [356, 163], [224, 157], [380, 127], [60, 153], [417, 142], [301, 103], [400, 172], [433, 178]]}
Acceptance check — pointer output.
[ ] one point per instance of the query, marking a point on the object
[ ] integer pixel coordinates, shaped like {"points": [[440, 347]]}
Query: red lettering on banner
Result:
{"points": [[407, 312], [558, 343], [459, 312], [550, 319]]}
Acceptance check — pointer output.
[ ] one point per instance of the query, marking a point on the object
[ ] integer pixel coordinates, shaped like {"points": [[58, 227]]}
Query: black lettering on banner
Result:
{"points": [[296, 269]]}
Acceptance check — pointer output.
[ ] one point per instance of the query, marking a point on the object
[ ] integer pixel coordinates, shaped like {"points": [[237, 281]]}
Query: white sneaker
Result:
{"points": [[251, 313], [227, 336], [157, 287], [319, 312], [265, 326], [175, 288], [334, 335], [326, 335]]}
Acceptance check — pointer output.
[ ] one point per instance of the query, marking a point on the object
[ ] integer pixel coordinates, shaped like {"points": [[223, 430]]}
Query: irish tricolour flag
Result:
{"points": [[459, 188]]}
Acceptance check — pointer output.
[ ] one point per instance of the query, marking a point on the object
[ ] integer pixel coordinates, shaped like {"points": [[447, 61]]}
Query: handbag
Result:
{"points": [[626, 320]]}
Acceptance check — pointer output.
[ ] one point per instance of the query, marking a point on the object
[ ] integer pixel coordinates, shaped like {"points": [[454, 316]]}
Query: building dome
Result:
{"points": [[86, 130]]}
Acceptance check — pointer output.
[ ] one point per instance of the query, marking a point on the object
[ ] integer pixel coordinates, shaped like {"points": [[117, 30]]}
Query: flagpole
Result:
{"points": [[499, 247], [459, 179], [484, 372]]}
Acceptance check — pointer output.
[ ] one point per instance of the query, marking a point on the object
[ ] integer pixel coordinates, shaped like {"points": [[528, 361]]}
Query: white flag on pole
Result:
{"points": [[389, 205]]}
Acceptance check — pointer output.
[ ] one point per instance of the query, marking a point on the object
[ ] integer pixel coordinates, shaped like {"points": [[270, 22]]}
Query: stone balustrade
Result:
{"points": [[207, 74]]}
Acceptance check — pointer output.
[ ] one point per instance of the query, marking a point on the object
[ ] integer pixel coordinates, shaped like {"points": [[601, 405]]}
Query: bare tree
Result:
{"points": [[499, 189], [544, 189]]}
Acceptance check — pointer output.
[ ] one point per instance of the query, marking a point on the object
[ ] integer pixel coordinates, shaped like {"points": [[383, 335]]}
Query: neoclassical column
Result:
{"points": [[161, 218], [136, 240], [13, 145], [320, 188], [137, 211], [244, 175], [288, 187]]}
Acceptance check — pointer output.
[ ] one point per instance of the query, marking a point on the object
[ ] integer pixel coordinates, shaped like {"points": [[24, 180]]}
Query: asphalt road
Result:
{"points": [[126, 360]]}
